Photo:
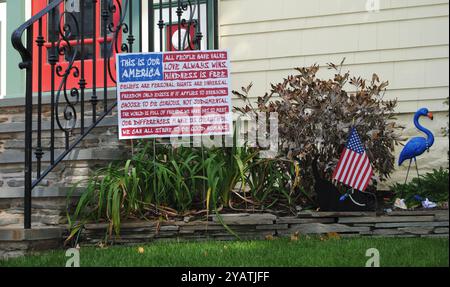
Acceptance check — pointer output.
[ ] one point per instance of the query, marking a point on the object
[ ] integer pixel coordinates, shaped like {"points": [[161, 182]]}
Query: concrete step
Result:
{"points": [[40, 217], [41, 192], [19, 125], [16, 241], [105, 153], [10, 219]]}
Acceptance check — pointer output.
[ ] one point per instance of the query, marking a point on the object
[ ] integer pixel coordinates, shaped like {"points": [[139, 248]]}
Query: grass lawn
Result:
{"points": [[310, 252]]}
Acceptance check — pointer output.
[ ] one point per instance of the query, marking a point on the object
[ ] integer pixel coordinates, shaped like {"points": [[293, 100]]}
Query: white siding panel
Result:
{"points": [[406, 42], [244, 11]]}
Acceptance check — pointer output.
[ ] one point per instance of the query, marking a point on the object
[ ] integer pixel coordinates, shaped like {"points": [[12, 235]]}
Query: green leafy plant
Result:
{"points": [[433, 186], [162, 181]]}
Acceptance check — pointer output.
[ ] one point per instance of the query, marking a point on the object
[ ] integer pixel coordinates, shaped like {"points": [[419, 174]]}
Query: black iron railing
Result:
{"points": [[69, 54]]}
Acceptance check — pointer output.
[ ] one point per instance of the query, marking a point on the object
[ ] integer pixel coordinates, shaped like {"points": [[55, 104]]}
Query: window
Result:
{"points": [[94, 47], [191, 21], [145, 25]]}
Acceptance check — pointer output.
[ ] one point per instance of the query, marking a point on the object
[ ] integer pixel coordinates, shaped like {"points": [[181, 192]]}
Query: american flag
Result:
{"points": [[354, 169]]}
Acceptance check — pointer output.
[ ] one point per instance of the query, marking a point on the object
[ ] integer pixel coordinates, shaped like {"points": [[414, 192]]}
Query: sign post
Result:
{"points": [[173, 94]]}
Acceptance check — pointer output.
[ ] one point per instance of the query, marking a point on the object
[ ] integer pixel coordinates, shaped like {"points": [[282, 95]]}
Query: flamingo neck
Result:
{"points": [[430, 136]]}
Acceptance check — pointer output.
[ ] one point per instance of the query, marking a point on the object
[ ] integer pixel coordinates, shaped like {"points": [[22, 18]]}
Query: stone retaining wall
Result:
{"points": [[16, 241], [262, 226]]}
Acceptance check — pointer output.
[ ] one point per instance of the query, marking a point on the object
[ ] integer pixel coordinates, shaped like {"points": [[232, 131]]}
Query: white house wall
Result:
{"points": [[405, 42]]}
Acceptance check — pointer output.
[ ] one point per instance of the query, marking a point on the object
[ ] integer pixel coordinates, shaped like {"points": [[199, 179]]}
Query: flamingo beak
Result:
{"points": [[430, 115]]}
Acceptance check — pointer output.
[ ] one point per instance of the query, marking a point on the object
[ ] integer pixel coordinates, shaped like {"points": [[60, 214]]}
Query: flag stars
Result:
{"points": [[354, 143]]}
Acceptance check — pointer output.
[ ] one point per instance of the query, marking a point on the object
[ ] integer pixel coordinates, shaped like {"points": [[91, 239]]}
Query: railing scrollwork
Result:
{"points": [[69, 53], [71, 98]]}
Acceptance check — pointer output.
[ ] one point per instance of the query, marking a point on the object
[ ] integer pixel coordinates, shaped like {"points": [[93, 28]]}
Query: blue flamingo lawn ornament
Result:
{"points": [[418, 145]]}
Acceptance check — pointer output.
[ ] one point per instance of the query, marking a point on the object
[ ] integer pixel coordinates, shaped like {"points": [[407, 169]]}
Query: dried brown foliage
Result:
{"points": [[315, 116]]}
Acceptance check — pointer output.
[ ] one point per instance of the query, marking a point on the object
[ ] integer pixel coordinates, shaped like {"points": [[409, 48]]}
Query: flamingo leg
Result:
{"points": [[407, 173], [418, 175]]}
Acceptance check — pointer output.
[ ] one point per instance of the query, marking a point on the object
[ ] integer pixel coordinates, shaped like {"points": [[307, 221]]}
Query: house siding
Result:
{"points": [[405, 42]]}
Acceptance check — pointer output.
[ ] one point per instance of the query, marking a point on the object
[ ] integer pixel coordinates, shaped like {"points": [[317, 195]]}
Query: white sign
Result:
{"points": [[173, 94]]}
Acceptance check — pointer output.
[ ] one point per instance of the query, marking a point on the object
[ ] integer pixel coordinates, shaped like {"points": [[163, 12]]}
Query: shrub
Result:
{"points": [[315, 116], [433, 186]]}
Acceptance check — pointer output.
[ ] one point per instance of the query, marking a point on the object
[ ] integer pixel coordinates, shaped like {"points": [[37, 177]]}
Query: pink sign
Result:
{"points": [[173, 94]]}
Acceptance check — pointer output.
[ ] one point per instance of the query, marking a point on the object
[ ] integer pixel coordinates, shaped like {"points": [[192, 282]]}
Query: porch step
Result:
{"points": [[49, 206], [40, 192], [74, 170], [97, 150], [18, 125], [10, 219], [16, 241], [18, 233], [13, 217], [106, 153]]}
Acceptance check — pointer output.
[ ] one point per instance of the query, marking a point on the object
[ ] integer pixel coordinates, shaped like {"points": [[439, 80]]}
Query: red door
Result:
{"points": [[90, 53]]}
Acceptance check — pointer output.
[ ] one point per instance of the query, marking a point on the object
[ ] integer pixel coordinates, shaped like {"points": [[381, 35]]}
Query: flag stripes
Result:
{"points": [[353, 168]]}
